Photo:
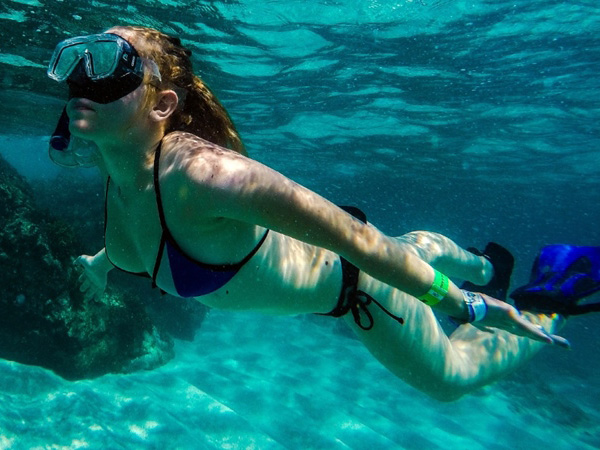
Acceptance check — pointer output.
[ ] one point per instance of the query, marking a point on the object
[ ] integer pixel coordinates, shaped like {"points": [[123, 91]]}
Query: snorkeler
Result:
{"points": [[188, 209]]}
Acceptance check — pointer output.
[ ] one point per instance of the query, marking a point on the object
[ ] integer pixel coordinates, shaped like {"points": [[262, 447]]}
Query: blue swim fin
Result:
{"points": [[561, 276]]}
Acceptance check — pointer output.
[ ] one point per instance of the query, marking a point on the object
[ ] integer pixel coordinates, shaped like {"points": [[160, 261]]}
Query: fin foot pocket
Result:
{"points": [[503, 262]]}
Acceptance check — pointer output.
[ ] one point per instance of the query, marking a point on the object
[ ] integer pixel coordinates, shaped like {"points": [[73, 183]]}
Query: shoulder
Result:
{"points": [[193, 171], [204, 178], [184, 150], [181, 146]]}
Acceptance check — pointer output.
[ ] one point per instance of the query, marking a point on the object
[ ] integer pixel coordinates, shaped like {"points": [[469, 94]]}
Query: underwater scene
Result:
{"points": [[476, 119]]}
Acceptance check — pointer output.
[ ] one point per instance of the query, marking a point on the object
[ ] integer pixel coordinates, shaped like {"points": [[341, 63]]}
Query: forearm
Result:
{"points": [[102, 262], [391, 262]]}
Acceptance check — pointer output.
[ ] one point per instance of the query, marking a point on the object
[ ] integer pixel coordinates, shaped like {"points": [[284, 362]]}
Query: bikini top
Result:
{"points": [[190, 278]]}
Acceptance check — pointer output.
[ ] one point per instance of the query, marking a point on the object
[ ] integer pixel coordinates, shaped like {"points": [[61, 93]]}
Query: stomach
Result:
{"points": [[285, 276]]}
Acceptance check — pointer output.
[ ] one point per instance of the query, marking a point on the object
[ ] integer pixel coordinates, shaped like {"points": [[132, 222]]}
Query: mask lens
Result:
{"points": [[67, 60], [100, 55], [104, 57]]}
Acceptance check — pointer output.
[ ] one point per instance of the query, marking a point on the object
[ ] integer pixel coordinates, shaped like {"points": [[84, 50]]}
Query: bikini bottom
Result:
{"points": [[351, 298]]}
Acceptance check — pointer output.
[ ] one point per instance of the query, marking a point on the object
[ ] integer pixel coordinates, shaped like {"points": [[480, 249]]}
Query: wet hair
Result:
{"points": [[201, 112]]}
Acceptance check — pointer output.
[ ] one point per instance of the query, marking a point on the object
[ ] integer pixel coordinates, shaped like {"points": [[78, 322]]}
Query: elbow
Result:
{"points": [[444, 390], [446, 395]]}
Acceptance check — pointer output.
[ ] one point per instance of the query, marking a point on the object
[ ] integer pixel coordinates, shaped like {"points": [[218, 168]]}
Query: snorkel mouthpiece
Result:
{"points": [[61, 137], [67, 152]]}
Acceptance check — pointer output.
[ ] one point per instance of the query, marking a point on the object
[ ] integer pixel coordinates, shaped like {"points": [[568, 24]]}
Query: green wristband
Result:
{"points": [[438, 290]]}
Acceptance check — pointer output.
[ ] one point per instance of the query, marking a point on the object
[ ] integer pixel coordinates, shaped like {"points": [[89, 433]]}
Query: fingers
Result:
{"points": [[90, 282], [539, 333], [556, 340], [560, 342], [528, 329], [506, 317], [90, 291], [87, 284]]}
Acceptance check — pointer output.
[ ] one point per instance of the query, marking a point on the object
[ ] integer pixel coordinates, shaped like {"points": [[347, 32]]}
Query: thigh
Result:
{"points": [[415, 351]]}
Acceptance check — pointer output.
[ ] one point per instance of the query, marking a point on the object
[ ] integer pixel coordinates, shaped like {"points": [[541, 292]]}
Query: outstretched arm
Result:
{"points": [[221, 183]]}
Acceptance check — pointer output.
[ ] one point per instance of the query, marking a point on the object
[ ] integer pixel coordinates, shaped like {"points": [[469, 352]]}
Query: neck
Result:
{"points": [[129, 161]]}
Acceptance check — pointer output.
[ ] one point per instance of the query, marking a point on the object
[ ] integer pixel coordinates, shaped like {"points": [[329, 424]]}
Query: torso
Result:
{"points": [[285, 276]]}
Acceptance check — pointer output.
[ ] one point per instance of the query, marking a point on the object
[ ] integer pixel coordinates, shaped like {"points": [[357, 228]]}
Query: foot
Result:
{"points": [[502, 262]]}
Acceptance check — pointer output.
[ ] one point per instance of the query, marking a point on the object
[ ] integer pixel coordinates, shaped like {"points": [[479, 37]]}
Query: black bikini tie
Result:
{"points": [[351, 298]]}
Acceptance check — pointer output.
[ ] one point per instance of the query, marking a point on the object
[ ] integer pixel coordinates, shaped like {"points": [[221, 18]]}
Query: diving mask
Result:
{"points": [[100, 67]]}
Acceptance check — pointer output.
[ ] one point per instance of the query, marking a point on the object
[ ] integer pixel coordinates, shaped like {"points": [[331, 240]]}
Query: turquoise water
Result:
{"points": [[475, 119]]}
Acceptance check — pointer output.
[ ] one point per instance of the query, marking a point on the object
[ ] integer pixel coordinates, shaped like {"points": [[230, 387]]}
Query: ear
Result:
{"points": [[165, 105]]}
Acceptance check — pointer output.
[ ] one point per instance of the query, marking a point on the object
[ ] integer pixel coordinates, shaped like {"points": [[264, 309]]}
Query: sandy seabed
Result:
{"points": [[252, 381]]}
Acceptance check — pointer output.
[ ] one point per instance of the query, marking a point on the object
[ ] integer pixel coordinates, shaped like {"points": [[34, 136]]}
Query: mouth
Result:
{"points": [[80, 104]]}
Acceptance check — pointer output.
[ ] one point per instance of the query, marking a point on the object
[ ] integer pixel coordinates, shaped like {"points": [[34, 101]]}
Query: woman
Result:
{"points": [[186, 207]]}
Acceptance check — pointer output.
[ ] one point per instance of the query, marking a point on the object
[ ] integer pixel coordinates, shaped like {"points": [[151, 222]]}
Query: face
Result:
{"points": [[96, 121]]}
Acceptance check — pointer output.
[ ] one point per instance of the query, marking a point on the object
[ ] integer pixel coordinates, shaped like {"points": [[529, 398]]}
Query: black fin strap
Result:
{"points": [[576, 310], [572, 309]]}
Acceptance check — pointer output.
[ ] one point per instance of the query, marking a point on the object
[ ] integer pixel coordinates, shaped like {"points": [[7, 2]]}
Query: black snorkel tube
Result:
{"points": [[66, 153], [61, 138]]}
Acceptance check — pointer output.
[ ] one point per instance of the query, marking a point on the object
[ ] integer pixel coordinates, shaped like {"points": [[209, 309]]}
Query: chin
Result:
{"points": [[81, 128]]}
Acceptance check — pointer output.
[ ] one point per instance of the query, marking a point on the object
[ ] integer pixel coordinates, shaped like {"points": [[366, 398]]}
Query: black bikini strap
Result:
{"points": [[106, 219], [161, 248], [161, 215], [360, 302], [252, 253], [161, 212], [106, 224], [356, 301], [166, 234], [106, 207]]}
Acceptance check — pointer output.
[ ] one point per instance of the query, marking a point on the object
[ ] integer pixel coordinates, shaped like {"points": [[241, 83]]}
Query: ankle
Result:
{"points": [[487, 272]]}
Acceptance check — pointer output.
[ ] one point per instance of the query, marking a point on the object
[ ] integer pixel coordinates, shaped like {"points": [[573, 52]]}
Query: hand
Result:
{"points": [[506, 317], [93, 279]]}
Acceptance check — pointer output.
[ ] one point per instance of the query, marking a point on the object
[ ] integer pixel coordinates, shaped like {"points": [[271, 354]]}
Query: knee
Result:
{"points": [[427, 244], [445, 392], [445, 396]]}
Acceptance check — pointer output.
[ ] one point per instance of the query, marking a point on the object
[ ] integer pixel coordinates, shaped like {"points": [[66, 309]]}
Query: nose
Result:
{"points": [[79, 75]]}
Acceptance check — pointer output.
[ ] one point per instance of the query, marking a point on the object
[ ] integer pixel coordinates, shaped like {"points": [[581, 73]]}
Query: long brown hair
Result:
{"points": [[201, 113]]}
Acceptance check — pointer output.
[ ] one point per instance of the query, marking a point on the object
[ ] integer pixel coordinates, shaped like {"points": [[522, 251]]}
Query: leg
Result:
{"points": [[419, 351], [447, 257]]}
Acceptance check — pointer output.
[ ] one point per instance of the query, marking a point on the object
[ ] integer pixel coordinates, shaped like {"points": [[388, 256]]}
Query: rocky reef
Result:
{"points": [[44, 318]]}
